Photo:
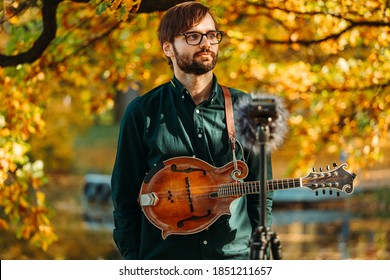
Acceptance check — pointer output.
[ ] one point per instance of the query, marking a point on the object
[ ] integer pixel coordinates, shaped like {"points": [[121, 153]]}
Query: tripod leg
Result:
{"points": [[259, 244], [265, 241], [276, 247]]}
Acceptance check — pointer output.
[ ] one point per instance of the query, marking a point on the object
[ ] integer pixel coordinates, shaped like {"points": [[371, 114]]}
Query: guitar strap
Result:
{"points": [[231, 130]]}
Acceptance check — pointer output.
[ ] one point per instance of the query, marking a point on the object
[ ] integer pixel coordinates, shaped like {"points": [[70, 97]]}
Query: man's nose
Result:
{"points": [[204, 42]]}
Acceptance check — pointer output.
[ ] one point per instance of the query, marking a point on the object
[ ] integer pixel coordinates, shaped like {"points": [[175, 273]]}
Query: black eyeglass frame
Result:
{"points": [[219, 36]]}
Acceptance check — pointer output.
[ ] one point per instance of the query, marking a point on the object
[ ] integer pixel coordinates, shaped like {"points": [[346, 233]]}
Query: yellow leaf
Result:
{"points": [[3, 224], [23, 203]]}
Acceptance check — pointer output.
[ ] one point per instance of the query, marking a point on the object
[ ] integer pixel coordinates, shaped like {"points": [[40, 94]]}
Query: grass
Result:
{"points": [[96, 150]]}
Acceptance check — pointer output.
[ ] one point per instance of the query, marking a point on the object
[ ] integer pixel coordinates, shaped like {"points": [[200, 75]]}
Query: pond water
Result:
{"points": [[347, 228]]}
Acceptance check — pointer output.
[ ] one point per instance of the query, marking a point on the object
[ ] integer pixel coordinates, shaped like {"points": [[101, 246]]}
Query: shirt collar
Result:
{"points": [[183, 92]]}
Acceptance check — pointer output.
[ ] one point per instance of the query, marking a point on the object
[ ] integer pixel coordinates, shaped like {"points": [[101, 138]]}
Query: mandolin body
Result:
{"points": [[177, 195]]}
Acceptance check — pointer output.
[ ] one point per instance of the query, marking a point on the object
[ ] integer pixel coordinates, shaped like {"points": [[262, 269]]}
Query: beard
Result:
{"points": [[192, 65]]}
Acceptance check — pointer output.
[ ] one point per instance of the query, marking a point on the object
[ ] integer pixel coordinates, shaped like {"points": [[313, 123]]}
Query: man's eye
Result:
{"points": [[193, 36], [211, 35]]}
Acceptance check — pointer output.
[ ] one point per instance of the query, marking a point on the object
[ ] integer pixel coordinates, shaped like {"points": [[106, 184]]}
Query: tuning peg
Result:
{"points": [[334, 164], [323, 191], [338, 194], [320, 169], [314, 169], [316, 193], [328, 167], [330, 192]]}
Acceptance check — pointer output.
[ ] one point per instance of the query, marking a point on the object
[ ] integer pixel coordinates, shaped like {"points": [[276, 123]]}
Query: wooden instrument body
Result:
{"points": [[181, 188]]}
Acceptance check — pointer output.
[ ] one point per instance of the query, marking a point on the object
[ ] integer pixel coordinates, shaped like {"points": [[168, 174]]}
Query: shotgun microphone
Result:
{"points": [[261, 109]]}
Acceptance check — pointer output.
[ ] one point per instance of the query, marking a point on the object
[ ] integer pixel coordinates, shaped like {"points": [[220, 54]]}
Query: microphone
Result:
{"points": [[255, 109]]}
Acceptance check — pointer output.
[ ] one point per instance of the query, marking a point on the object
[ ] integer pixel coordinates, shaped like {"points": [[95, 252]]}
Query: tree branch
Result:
{"points": [[49, 9], [149, 6], [352, 25], [15, 12], [49, 13]]}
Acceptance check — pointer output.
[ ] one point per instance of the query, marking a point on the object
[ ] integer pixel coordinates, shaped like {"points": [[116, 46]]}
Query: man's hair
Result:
{"points": [[181, 18]]}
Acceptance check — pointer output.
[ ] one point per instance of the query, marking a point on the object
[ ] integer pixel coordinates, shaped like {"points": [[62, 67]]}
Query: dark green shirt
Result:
{"points": [[166, 123]]}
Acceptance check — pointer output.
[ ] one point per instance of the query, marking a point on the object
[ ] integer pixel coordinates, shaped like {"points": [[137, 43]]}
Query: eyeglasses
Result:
{"points": [[194, 38]]}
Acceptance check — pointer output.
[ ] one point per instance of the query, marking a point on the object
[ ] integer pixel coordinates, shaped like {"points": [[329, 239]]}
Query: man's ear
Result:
{"points": [[168, 49]]}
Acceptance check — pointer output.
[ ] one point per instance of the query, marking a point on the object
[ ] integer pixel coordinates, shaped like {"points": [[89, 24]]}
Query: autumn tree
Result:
{"points": [[64, 62]]}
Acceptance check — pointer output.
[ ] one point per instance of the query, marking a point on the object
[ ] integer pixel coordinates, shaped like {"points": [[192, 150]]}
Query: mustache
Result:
{"points": [[204, 51]]}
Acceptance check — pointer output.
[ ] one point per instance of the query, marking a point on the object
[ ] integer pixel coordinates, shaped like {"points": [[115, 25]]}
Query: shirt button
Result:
{"points": [[197, 111], [205, 242], [200, 135]]}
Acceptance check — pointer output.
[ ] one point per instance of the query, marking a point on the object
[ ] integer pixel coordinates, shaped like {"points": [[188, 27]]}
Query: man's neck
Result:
{"points": [[199, 86]]}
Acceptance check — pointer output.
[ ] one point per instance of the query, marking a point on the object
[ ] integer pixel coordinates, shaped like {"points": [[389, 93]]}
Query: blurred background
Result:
{"points": [[69, 68]]}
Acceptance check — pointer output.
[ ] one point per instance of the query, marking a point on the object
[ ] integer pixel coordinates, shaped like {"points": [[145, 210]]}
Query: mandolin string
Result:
{"points": [[233, 189], [236, 188]]}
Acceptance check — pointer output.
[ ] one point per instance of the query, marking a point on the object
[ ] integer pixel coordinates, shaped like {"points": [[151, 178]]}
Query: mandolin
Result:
{"points": [[185, 195]]}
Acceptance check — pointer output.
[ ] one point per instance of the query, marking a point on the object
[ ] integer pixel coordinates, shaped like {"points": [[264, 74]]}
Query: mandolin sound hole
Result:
{"points": [[187, 170], [180, 224]]}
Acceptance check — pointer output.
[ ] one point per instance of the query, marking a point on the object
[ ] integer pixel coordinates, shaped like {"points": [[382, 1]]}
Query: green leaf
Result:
{"points": [[101, 8]]}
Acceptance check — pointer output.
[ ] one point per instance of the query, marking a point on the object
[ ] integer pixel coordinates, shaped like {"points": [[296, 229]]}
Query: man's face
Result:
{"points": [[198, 59]]}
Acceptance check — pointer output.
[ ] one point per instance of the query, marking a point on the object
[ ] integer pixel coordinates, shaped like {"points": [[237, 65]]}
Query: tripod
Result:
{"points": [[263, 238]]}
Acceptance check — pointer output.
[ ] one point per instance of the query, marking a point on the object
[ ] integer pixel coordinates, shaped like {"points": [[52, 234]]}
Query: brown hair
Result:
{"points": [[181, 18]]}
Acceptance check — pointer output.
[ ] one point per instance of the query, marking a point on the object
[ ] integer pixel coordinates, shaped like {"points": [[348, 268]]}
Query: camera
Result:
{"points": [[262, 110]]}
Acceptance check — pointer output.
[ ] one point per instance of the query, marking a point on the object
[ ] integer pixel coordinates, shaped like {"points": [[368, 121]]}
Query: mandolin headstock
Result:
{"points": [[337, 179]]}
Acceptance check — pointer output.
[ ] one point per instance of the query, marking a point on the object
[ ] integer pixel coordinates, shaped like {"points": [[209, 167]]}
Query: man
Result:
{"points": [[184, 117]]}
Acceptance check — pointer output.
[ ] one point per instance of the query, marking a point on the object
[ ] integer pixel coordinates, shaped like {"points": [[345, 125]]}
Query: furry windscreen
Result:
{"points": [[247, 127]]}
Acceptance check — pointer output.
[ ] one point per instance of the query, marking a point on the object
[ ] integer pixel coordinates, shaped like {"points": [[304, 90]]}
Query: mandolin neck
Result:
{"points": [[242, 188]]}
